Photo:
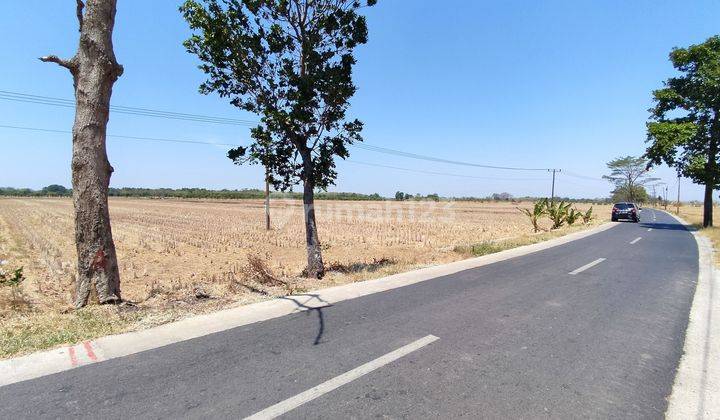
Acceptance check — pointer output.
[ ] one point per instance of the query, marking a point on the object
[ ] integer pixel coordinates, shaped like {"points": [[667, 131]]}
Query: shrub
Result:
{"points": [[557, 212], [539, 210], [12, 279], [572, 216], [587, 216]]}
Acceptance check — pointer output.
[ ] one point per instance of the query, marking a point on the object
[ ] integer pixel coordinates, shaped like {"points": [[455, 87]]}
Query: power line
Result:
{"points": [[146, 112], [68, 103], [187, 141], [442, 173], [440, 160], [46, 130], [589, 178]]}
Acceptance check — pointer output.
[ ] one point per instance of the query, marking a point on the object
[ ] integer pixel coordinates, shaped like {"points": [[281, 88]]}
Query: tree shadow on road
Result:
{"points": [[304, 305], [667, 226]]}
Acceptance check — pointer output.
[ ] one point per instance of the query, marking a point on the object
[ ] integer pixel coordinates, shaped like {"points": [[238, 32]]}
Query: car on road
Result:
{"points": [[630, 211]]}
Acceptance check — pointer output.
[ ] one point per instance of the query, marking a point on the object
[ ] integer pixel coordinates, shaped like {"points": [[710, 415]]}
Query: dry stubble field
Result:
{"points": [[180, 256]]}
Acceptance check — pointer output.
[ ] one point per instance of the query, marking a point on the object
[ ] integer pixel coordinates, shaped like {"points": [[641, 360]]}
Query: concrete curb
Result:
{"points": [[696, 390], [53, 361]]}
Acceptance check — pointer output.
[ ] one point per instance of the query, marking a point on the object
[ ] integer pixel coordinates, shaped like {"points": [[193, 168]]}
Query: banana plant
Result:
{"points": [[588, 216], [557, 212], [538, 211], [572, 216]]}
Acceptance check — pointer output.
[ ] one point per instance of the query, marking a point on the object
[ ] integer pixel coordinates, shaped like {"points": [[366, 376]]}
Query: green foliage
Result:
{"points": [[684, 126], [289, 61], [50, 190], [634, 194], [197, 193], [539, 210], [629, 174], [572, 216], [504, 196], [55, 189], [482, 248], [557, 212], [12, 279]]}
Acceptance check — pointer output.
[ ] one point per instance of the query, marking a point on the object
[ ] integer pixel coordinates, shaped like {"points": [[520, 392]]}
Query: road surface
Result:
{"points": [[593, 328]]}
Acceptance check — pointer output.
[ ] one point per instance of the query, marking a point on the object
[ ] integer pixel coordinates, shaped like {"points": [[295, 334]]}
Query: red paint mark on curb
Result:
{"points": [[90, 351], [73, 357]]}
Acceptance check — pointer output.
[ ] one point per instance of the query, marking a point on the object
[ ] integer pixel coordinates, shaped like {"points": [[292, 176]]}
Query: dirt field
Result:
{"points": [[178, 257]]}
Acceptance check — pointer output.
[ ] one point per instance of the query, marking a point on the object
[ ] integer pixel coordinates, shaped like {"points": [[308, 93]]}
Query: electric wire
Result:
{"points": [[67, 103], [188, 141]]}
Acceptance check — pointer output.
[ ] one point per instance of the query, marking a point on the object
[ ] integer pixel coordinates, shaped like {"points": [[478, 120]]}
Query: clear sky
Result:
{"points": [[561, 84]]}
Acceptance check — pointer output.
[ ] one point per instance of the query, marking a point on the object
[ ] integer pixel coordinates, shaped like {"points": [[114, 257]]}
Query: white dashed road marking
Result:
{"points": [[293, 402], [634, 241], [586, 266], [650, 230]]}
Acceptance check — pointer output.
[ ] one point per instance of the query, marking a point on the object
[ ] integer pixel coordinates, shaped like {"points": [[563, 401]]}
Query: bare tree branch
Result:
{"points": [[68, 64], [79, 12]]}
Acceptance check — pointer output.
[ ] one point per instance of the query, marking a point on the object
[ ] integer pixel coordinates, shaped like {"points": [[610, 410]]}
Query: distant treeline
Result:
{"points": [[233, 194], [60, 191], [198, 193]]}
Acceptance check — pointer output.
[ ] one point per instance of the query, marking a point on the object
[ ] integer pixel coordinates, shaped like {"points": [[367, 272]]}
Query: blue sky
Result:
{"points": [[561, 84]]}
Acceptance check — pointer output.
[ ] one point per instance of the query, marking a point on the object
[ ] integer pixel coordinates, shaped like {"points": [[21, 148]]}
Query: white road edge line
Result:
{"points": [[586, 266], [636, 240], [338, 381]]}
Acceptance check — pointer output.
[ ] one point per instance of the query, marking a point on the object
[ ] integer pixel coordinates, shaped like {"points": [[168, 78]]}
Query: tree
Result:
{"points": [[629, 175], [504, 196], [684, 126], [290, 61], [94, 71], [399, 196], [55, 189], [636, 193]]}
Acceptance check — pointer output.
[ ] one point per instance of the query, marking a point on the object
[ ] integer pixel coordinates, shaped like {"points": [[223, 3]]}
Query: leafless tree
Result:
{"points": [[94, 70]]}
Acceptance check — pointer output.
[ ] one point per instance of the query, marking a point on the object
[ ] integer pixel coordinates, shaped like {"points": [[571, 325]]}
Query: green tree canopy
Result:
{"points": [[635, 194], [684, 126], [290, 62], [55, 189], [629, 174]]}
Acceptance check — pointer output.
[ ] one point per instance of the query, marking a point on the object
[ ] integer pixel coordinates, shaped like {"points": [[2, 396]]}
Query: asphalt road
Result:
{"points": [[521, 338]]}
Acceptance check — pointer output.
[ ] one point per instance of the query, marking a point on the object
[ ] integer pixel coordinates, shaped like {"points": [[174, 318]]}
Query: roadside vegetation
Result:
{"points": [[492, 247], [179, 258], [693, 214], [560, 213], [684, 125]]}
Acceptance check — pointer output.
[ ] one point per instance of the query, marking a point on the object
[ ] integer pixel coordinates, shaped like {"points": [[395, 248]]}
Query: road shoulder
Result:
{"points": [[60, 359], [696, 390]]}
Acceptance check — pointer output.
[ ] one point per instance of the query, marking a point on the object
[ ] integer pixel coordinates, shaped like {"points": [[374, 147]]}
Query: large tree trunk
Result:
{"points": [[315, 266], [94, 71], [711, 170], [708, 206]]}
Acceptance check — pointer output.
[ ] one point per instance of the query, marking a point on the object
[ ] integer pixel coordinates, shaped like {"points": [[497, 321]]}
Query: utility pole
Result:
{"points": [[654, 197], [267, 200], [665, 200], [552, 193], [678, 196]]}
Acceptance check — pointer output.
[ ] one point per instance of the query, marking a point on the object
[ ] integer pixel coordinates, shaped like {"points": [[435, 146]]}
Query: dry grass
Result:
{"points": [[694, 215], [181, 257]]}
